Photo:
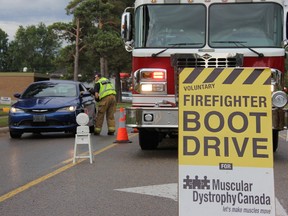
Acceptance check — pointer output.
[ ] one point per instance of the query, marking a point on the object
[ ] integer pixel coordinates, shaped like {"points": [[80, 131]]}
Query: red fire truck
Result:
{"points": [[166, 36]]}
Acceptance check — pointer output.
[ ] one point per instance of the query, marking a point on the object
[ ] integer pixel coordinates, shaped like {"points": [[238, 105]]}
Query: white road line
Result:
{"points": [[165, 190], [280, 211], [170, 191]]}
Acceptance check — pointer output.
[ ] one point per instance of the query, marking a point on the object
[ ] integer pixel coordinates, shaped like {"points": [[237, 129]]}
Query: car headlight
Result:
{"points": [[67, 109], [279, 99], [16, 110]]}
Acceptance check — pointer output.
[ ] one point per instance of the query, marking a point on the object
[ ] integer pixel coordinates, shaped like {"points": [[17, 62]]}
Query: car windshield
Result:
{"points": [[50, 89]]}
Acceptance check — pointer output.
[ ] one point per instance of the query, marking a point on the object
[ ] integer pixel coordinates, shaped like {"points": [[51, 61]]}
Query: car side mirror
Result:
{"points": [[85, 94], [91, 90], [17, 95]]}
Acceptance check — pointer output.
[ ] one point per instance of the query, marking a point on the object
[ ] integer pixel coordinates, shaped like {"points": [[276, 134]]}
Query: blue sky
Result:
{"points": [[14, 13]]}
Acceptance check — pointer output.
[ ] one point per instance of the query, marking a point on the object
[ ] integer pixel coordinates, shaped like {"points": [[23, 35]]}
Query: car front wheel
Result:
{"points": [[275, 139], [15, 135]]}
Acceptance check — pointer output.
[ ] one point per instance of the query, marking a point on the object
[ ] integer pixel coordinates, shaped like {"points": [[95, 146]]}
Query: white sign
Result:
{"points": [[225, 142], [5, 100]]}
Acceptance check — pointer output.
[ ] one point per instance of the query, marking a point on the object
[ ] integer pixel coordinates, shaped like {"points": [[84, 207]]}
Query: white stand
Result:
{"points": [[82, 137]]}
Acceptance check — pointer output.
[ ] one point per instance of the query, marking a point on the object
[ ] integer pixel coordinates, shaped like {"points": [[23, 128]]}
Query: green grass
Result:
{"points": [[2, 113], [4, 105], [4, 121], [3, 116]]}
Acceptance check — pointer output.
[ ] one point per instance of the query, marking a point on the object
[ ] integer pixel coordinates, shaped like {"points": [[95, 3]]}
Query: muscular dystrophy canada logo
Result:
{"points": [[207, 190]]}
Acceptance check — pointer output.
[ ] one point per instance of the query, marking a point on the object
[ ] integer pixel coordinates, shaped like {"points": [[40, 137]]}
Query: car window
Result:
{"points": [[127, 94], [82, 88], [50, 90], [66, 90]]}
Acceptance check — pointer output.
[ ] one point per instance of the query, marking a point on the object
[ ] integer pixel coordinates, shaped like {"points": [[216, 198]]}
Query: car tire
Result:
{"points": [[91, 129], [275, 139], [15, 135]]}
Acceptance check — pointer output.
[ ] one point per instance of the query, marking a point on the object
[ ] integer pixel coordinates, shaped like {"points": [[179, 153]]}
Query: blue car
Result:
{"points": [[51, 106]]}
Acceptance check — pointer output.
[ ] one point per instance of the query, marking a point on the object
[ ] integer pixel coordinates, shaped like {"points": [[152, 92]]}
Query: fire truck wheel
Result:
{"points": [[173, 135], [275, 139], [148, 139]]}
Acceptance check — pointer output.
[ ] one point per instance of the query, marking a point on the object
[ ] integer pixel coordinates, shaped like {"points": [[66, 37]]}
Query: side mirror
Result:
{"points": [[126, 26], [91, 90], [129, 46], [85, 94], [17, 95]]}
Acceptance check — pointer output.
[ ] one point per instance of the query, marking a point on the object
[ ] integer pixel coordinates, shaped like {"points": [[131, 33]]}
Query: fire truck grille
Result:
{"points": [[194, 60], [180, 61]]}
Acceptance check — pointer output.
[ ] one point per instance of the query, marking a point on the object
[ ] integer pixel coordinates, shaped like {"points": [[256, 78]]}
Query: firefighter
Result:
{"points": [[105, 95]]}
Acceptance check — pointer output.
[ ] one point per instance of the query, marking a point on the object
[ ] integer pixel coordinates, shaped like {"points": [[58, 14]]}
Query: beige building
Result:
{"points": [[11, 83]]}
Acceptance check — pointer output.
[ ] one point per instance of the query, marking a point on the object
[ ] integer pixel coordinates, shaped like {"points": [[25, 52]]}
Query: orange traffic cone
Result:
{"points": [[122, 135]]}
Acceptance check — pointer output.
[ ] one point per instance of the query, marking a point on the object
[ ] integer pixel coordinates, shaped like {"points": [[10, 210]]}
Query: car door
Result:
{"points": [[88, 103]]}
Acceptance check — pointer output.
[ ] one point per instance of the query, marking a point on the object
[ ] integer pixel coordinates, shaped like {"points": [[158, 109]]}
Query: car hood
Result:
{"points": [[46, 102]]}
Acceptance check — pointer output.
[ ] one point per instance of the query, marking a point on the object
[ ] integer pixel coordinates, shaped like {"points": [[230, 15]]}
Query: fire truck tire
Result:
{"points": [[275, 139], [173, 135], [148, 139]]}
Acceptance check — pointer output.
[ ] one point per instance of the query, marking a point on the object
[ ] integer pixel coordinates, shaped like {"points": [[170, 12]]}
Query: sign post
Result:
{"points": [[225, 142]]}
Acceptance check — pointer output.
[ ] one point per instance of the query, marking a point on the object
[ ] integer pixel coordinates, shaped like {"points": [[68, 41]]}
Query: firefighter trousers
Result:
{"points": [[106, 105]]}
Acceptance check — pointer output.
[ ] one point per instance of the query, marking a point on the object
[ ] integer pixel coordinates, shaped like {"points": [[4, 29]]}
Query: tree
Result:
{"points": [[34, 47], [3, 50], [99, 44], [76, 53], [100, 34], [101, 27], [72, 33], [120, 61]]}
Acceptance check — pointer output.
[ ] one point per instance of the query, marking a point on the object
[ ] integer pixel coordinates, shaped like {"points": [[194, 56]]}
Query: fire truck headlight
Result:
{"points": [[158, 87], [153, 88], [150, 81], [146, 87], [279, 99]]}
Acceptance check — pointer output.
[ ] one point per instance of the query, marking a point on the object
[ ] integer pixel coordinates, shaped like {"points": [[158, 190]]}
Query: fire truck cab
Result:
{"points": [[166, 36]]}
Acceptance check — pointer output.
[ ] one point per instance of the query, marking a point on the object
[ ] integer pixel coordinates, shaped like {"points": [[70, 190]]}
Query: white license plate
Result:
{"points": [[39, 118]]}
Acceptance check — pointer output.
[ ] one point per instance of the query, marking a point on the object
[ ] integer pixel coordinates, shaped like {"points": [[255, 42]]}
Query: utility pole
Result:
{"points": [[76, 55]]}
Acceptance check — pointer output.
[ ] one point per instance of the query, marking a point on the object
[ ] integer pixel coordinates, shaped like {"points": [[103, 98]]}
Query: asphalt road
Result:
{"points": [[280, 172], [39, 178]]}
